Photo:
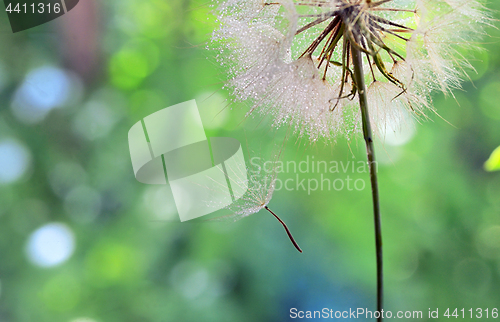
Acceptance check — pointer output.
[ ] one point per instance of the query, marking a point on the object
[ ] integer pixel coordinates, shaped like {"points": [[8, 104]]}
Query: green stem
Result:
{"points": [[359, 76]]}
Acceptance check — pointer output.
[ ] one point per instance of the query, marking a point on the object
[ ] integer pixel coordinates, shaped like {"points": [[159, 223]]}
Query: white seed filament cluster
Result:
{"points": [[292, 58]]}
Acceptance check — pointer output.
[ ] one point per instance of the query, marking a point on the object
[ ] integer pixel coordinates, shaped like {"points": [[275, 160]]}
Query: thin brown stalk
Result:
{"points": [[370, 151]]}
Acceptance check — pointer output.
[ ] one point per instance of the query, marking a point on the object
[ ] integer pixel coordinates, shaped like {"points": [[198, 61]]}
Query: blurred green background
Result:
{"points": [[82, 241]]}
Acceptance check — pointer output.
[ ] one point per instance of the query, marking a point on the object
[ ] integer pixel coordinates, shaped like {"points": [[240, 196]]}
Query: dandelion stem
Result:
{"points": [[370, 150], [286, 228]]}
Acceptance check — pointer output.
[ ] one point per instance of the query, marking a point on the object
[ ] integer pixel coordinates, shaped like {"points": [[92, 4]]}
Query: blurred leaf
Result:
{"points": [[493, 163]]}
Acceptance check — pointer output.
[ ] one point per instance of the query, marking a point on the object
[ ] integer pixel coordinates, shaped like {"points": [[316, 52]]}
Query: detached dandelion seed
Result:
{"points": [[315, 64], [260, 191]]}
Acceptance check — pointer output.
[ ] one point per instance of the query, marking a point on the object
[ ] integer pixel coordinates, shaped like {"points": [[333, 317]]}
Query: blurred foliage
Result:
{"points": [[493, 163], [124, 255]]}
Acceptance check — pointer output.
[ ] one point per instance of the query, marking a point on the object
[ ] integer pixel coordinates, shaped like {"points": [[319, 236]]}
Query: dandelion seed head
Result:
{"points": [[291, 58]]}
